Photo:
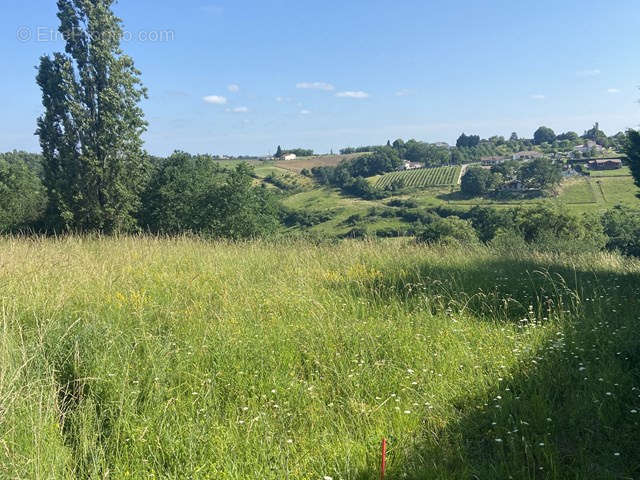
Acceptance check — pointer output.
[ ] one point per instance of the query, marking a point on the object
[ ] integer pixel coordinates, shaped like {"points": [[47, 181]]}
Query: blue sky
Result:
{"points": [[330, 74]]}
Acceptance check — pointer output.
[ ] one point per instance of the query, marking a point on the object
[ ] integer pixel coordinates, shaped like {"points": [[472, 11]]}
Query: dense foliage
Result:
{"points": [[22, 195], [632, 148], [468, 141], [449, 230], [91, 130], [193, 194], [477, 181], [622, 228], [544, 135], [300, 152], [350, 175], [539, 174]]}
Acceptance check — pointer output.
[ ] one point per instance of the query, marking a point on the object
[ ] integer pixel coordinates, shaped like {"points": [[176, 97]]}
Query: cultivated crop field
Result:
{"points": [[308, 163], [424, 177], [149, 358]]}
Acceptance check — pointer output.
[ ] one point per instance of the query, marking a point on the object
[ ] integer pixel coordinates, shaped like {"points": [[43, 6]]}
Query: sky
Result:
{"points": [[242, 77]]}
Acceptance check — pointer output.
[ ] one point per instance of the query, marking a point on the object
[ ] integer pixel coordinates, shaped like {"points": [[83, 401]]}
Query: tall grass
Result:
{"points": [[141, 357]]}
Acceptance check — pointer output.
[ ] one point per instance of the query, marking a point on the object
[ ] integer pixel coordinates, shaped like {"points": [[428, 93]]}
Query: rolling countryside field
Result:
{"points": [[308, 163], [139, 357]]}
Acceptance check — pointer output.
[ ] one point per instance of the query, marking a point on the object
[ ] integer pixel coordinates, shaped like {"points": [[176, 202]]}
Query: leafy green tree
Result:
{"points": [[456, 156], [513, 137], [237, 209], [193, 194], [632, 149], [476, 182], [622, 227], [468, 141], [22, 196], [279, 152], [425, 153], [508, 169], [618, 142], [540, 174], [544, 135], [173, 198], [90, 133], [383, 160], [570, 136]]}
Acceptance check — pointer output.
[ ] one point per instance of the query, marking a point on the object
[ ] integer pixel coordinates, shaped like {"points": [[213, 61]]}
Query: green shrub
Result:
{"points": [[447, 230], [622, 227]]}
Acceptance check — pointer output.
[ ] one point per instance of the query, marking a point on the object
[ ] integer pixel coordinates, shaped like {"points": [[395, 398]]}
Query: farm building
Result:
{"points": [[289, 156], [589, 146], [605, 164], [412, 165], [527, 155]]}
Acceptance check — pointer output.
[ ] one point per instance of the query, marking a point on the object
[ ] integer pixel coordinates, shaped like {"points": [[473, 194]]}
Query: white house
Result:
{"points": [[412, 165], [589, 146], [289, 156], [527, 155]]}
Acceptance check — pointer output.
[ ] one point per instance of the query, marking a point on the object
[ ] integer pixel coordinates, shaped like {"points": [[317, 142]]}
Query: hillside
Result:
{"points": [[179, 358], [583, 194]]}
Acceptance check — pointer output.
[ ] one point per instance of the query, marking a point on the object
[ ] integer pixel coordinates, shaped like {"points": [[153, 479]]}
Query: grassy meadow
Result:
{"points": [[180, 358]]}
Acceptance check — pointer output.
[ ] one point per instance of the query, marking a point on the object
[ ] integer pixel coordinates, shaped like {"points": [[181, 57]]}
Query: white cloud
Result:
{"points": [[358, 94], [233, 88], [589, 73], [316, 86], [538, 96], [613, 90], [403, 93], [215, 99], [240, 110], [279, 99], [305, 112]]}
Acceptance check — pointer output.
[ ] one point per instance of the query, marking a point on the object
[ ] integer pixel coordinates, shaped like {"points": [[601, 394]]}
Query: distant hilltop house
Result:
{"points": [[589, 146], [605, 164], [527, 155], [412, 165], [493, 160], [442, 145], [289, 156]]}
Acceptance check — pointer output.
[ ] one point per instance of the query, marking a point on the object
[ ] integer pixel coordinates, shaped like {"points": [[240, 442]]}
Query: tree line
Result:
{"points": [[93, 174]]}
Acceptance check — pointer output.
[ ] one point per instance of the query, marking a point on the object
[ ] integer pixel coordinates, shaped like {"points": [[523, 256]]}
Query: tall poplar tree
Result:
{"points": [[90, 133]]}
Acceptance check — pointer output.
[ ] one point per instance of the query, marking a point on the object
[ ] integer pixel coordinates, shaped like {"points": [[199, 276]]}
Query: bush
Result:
{"points": [[448, 230], [622, 227], [304, 218]]}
